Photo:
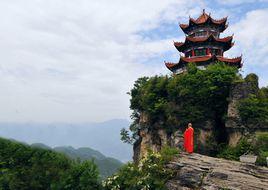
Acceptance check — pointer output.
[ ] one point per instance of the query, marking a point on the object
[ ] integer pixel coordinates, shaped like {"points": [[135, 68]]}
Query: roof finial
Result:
{"points": [[204, 11]]}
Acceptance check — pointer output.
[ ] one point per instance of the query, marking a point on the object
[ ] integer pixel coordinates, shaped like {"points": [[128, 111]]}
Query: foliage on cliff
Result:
{"points": [[148, 175], [258, 147], [24, 167], [254, 109], [172, 102]]}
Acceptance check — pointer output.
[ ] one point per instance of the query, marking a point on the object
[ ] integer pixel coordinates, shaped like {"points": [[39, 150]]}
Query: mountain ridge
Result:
{"points": [[74, 134], [107, 165]]}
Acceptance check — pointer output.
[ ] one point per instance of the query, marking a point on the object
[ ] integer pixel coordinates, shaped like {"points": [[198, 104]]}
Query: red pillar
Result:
{"points": [[209, 52], [193, 53]]}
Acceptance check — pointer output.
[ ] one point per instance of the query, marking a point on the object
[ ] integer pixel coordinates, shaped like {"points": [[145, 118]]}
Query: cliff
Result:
{"points": [[234, 126], [195, 171], [229, 132]]}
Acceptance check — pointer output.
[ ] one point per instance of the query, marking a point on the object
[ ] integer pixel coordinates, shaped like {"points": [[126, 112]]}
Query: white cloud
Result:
{"points": [[74, 61], [238, 2], [250, 37]]}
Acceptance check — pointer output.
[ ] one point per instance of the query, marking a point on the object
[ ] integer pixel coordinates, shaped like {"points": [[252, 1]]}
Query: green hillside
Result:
{"points": [[26, 168], [41, 145], [107, 166]]}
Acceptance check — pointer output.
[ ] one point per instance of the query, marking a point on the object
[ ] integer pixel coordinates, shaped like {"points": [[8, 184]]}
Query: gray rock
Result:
{"points": [[195, 171]]}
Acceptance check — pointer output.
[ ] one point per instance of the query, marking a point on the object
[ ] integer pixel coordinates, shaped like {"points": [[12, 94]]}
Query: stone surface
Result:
{"points": [[150, 139], [195, 171], [155, 140], [234, 137], [239, 91]]}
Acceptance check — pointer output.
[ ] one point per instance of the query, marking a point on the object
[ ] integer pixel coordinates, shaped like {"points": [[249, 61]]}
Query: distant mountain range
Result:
{"points": [[107, 166], [104, 136]]}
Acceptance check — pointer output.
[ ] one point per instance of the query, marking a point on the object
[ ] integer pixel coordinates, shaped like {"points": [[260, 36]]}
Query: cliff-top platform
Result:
{"points": [[195, 171]]}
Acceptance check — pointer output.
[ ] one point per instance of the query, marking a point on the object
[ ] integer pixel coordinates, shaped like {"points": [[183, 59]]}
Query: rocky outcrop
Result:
{"points": [[239, 91], [195, 171], [234, 125], [155, 138]]}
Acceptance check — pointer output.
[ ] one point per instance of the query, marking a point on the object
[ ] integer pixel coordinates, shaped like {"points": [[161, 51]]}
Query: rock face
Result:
{"points": [[156, 138], [234, 125], [195, 171]]}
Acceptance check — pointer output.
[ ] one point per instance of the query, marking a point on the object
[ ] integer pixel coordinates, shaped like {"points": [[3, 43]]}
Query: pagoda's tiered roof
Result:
{"points": [[190, 41], [204, 59], [204, 18], [203, 45]]}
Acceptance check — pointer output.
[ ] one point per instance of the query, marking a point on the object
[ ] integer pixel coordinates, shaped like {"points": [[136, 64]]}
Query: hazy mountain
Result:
{"points": [[107, 166], [104, 137], [41, 145], [83, 153]]}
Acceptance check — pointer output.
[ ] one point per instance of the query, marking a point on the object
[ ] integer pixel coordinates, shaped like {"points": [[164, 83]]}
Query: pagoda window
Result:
{"points": [[192, 35], [200, 52], [188, 54], [202, 33], [215, 52], [215, 34]]}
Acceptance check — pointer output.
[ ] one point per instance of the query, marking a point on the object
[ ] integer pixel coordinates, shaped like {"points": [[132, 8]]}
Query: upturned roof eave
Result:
{"points": [[180, 46], [194, 22], [202, 59]]}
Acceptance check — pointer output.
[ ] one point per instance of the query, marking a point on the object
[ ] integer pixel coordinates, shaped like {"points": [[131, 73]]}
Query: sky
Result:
{"points": [[75, 61]]}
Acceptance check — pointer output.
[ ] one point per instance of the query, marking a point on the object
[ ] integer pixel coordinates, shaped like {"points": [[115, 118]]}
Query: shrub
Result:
{"points": [[233, 153], [253, 79], [150, 174], [254, 110], [261, 148]]}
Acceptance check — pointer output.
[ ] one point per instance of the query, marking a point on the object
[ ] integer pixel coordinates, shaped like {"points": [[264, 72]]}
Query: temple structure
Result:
{"points": [[203, 44]]}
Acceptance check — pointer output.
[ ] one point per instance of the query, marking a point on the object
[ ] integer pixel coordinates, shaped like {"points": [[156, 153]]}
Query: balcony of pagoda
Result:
{"points": [[204, 42], [205, 51], [204, 32]]}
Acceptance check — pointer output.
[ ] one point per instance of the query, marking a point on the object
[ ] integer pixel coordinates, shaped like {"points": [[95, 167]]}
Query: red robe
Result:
{"points": [[189, 140]]}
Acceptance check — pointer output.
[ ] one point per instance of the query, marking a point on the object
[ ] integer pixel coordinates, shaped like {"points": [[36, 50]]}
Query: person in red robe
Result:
{"points": [[189, 139]]}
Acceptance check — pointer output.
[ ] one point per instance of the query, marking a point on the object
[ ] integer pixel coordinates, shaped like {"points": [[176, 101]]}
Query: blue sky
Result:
{"points": [[74, 61]]}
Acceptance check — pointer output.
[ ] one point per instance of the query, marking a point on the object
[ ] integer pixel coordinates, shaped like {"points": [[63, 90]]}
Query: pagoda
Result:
{"points": [[203, 44]]}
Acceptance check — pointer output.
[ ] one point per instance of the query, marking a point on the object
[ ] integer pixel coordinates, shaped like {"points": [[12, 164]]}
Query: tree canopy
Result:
{"points": [[26, 168], [171, 102]]}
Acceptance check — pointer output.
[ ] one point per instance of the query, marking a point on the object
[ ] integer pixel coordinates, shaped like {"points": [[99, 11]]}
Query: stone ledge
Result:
{"points": [[195, 171]]}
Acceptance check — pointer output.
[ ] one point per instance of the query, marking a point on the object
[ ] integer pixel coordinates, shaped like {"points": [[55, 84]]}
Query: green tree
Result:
{"points": [[84, 176], [254, 110], [26, 168], [172, 102]]}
